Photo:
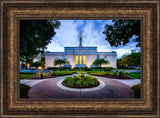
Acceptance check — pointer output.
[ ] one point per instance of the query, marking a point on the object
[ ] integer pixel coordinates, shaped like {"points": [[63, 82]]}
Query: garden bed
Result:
{"points": [[51, 74], [110, 74], [81, 81], [118, 77]]}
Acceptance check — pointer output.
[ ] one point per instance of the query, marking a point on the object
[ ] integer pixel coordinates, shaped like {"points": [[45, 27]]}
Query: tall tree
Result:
{"points": [[36, 64], [122, 31], [41, 59], [100, 62], [132, 59], [60, 62], [35, 35]]}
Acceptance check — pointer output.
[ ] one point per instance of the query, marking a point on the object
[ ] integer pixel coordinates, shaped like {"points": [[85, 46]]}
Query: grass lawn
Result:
{"points": [[24, 91], [135, 75], [25, 76], [125, 69]]}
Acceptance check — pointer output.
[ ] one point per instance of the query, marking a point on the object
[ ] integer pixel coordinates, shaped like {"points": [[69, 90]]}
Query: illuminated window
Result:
{"points": [[76, 59], [84, 59], [80, 59]]}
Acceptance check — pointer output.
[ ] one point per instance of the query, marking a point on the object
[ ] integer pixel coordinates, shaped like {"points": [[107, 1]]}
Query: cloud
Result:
{"points": [[55, 47], [69, 31], [65, 36]]}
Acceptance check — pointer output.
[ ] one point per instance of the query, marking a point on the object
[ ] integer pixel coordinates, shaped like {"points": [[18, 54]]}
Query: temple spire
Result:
{"points": [[80, 40]]}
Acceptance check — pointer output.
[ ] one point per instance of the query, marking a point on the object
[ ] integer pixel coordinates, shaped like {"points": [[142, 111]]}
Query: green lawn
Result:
{"points": [[135, 75], [24, 91], [125, 69], [25, 76]]}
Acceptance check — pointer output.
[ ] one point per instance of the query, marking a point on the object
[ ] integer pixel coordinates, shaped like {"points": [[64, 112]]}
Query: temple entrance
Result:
{"points": [[80, 60]]}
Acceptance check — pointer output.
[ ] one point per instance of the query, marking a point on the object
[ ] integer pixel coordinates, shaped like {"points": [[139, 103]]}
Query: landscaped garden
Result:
{"points": [[104, 72], [34, 53], [81, 81], [81, 78]]}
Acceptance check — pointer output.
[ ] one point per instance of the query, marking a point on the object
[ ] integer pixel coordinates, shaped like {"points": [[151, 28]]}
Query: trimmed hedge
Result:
{"points": [[137, 90], [24, 91], [59, 68], [62, 73], [80, 68], [99, 73], [107, 68]]}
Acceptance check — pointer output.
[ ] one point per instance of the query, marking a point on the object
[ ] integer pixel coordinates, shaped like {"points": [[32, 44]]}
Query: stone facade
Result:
{"points": [[80, 56]]}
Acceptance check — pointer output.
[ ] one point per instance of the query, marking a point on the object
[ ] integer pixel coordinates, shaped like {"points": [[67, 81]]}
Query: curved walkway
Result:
{"points": [[49, 89]]}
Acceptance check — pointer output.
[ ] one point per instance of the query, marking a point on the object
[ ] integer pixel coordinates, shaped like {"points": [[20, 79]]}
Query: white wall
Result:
{"points": [[112, 60], [89, 60], [49, 60], [70, 58]]}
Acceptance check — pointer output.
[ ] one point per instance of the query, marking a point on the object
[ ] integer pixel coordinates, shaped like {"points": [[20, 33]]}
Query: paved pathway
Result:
{"points": [[30, 82], [114, 88], [129, 82]]}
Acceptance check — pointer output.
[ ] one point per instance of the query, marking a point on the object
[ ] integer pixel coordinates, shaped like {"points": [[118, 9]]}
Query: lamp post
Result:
{"points": [[41, 73], [40, 68], [28, 66]]}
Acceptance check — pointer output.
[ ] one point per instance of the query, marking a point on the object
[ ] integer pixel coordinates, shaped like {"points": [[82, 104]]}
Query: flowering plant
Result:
{"points": [[81, 74]]}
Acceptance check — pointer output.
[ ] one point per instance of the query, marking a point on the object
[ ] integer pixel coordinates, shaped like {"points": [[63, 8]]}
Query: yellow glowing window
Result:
{"points": [[76, 59], [84, 59], [80, 59]]}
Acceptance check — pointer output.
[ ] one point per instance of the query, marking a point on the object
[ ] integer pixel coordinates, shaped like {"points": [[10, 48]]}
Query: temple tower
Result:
{"points": [[80, 40]]}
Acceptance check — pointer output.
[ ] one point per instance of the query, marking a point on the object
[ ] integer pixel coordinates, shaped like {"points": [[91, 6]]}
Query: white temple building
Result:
{"points": [[80, 56]]}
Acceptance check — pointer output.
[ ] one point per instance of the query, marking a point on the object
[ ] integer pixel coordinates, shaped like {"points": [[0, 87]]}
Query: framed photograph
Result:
{"points": [[79, 58]]}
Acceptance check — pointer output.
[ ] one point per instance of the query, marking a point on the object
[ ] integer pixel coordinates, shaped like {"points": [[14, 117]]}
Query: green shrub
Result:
{"points": [[59, 68], [81, 74], [74, 72], [53, 68], [69, 84], [67, 79], [80, 82], [97, 68], [98, 73], [75, 77], [107, 68], [85, 84], [24, 91], [111, 73], [137, 90], [62, 73], [45, 74], [92, 83], [82, 68]]}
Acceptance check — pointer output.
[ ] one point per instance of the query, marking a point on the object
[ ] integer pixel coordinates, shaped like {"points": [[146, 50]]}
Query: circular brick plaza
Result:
{"points": [[50, 89]]}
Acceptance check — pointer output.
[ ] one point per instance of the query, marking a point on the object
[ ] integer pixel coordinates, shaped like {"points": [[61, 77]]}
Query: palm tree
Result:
{"points": [[60, 62], [100, 61]]}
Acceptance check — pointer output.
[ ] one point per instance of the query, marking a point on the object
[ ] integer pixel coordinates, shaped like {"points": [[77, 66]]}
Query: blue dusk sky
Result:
{"points": [[69, 32]]}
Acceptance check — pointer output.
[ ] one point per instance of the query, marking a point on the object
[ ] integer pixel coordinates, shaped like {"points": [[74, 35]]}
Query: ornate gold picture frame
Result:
{"points": [[14, 11]]}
